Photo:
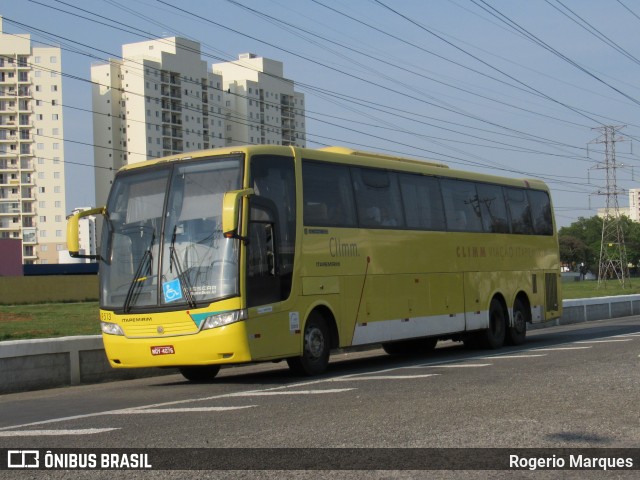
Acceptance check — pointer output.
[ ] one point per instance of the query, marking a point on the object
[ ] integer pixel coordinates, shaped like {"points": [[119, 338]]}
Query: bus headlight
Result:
{"points": [[222, 319], [111, 328]]}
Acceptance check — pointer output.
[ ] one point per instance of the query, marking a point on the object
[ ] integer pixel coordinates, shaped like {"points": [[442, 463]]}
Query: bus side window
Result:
{"points": [[378, 198], [493, 208], [422, 202], [519, 210], [541, 212], [328, 195], [462, 207]]}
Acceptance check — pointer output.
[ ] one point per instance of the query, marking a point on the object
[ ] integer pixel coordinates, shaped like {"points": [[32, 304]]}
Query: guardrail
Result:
{"points": [[56, 362]]}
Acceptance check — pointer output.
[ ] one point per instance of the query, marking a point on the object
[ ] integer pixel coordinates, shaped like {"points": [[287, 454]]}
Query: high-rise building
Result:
{"points": [[263, 106], [32, 179], [161, 99]]}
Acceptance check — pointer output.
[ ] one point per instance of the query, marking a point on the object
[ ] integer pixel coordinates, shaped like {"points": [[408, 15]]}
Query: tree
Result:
{"points": [[589, 232], [580, 242], [573, 251]]}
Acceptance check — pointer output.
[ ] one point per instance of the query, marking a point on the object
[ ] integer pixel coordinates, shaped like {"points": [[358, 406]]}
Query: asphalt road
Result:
{"points": [[566, 387]]}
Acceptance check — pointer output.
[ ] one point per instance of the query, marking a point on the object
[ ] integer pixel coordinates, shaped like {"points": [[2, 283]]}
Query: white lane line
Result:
{"points": [[513, 356], [468, 365], [607, 341], [384, 377], [559, 349], [292, 392], [51, 433], [135, 411]]}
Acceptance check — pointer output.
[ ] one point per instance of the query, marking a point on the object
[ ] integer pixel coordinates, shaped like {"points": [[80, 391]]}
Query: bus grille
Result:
{"points": [[168, 329]]}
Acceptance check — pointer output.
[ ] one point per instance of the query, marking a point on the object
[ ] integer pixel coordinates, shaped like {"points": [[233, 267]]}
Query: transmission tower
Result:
{"points": [[613, 253]]}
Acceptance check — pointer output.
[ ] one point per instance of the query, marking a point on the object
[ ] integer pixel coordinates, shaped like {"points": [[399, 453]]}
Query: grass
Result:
{"points": [[590, 289], [48, 320], [65, 319]]}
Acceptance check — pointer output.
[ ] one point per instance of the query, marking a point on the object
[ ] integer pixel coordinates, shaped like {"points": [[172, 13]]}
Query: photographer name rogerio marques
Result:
{"points": [[577, 462]]}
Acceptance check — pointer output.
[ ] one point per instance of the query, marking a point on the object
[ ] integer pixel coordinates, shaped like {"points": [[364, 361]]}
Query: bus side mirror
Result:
{"points": [[73, 243], [230, 206]]}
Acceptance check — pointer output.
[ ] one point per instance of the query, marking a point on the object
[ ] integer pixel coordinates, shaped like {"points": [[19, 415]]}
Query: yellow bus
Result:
{"points": [[264, 253]]}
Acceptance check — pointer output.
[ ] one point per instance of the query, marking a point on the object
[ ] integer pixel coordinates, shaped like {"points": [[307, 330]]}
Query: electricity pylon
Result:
{"points": [[613, 253]]}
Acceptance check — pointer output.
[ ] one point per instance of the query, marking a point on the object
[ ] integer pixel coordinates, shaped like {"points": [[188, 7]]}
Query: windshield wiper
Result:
{"points": [[185, 284], [138, 279]]}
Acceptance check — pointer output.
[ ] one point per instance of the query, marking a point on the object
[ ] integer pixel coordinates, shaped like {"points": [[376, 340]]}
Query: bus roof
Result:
{"points": [[348, 155]]}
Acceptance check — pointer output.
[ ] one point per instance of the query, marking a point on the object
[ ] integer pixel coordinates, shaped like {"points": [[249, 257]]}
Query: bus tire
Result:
{"points": [[200, 374], [410, 347], [493, 337], [315, 349], [517, 332]]}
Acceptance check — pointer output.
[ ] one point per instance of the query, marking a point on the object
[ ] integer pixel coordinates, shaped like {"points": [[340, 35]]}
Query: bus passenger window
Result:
{"points": [[541, 212], [520, 212], [462, 207], [328, 195], [377, 198], [493, 208], [422, 202]]}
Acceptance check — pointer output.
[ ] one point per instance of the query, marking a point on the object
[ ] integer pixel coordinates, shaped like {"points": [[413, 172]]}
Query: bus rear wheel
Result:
{"points": [[517, 332], [494, 336], [200, 374], [315, 350]]}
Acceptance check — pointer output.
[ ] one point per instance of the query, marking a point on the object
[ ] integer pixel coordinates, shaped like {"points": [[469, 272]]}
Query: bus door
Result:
{"points": [[273, 329]]}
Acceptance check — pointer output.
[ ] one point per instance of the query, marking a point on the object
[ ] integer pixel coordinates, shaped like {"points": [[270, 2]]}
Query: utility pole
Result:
{"points": [[613, 253]]}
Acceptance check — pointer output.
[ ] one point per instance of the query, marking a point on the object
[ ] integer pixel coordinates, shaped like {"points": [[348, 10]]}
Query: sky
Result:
{"points": [[519, 88]]}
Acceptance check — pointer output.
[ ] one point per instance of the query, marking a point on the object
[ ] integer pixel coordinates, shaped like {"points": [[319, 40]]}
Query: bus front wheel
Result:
{"points": [[200, 374], [315, 350]]}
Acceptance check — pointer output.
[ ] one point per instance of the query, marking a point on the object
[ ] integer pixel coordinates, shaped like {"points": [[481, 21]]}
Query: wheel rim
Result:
{"points": [[315, 343]]}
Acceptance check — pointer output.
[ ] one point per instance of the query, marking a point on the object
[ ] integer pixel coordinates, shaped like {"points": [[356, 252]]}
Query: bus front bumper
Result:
{"points": [[222, 345]]}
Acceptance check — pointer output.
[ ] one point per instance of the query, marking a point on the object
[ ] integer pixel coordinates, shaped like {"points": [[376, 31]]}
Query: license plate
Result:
{"points": [[163, 350]]}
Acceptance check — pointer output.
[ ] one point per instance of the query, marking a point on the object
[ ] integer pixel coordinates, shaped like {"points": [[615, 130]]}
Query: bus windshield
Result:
{"points": [[162, 243]]}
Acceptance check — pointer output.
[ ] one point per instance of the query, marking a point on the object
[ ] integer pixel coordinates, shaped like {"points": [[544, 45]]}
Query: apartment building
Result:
{"points": [[634, 204], [161, 99], [158, 100], [262, 106], [32, 173]]}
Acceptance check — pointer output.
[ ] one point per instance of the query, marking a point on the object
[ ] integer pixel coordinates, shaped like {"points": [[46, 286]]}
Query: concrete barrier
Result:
{"points": [[55, 362]]}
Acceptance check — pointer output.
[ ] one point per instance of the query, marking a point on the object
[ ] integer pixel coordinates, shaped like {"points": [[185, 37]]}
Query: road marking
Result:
{"points": [[39, 433], [134, 411], [266, 393], [560, 349], [513, 356], [607, 341], [384, 377], [469, 365]]}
